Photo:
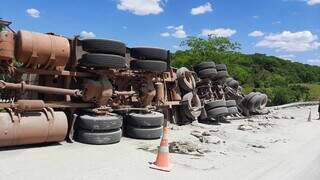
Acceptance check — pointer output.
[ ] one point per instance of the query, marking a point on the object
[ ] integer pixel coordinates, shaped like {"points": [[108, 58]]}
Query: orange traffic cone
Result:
{"points": [[163, 160]]}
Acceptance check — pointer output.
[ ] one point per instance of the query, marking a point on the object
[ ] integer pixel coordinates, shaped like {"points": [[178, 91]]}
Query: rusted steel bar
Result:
{"points": [[48, 90], [54, 72], [63, 104], [124, 93], [52, 104]]}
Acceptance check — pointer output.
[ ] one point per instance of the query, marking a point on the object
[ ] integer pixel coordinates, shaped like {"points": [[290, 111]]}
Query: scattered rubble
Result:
{"points": [[257, 146], [210, 140], [196, 133], [187, 147], [244, 127]]}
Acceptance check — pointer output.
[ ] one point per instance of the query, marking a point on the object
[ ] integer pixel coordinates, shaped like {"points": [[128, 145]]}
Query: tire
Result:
{"points": [[144, 133], [94, 60], [152, 119], [221, 74], [231, 103], [245, 101], [221, 67], [98, 137], [229, 80], [216, 112], [264, 101], [204, 65], [233, 84], [148, 65], [186, 80], [214, 104], [191, 105], [254, 103], [203, 82], [109, 122], [145, 53], [104, 46], [233, 110], [258, 102], [207, 73]]}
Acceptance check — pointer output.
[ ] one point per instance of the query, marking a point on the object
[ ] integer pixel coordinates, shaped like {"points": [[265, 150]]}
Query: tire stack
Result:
{"points": [[149, 59], [232, 107], [222, 71], [206, 70], [98, 129], [103, 54], [216, 109], [144, 125]]}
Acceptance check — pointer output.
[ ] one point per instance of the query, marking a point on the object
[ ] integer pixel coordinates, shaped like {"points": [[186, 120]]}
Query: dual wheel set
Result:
{"points": [[211, 73], [109, 128], [102, 54]]}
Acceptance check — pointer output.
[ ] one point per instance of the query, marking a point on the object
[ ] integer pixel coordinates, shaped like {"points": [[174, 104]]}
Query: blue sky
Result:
{"points": [[284, 28]]}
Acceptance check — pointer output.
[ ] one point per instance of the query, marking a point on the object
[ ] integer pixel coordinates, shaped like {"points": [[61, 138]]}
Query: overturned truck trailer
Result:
{"points": [[91, 90], [95, 90]]}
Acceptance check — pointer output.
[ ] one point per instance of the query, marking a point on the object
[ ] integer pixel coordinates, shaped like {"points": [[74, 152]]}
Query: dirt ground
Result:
{"points": [[280, 145]]}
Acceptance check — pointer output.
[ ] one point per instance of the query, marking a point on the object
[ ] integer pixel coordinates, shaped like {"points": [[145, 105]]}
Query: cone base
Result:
{"points": [[166, 169]]}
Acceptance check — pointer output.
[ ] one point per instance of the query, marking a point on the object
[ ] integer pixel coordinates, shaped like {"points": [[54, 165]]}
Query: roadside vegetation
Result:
{"points": [[282, 80]]}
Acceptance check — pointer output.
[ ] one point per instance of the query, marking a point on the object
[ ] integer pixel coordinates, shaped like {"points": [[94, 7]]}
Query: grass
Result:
{"points": [[314, 91]]}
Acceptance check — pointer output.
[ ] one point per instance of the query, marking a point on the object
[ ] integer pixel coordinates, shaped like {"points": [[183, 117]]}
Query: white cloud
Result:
{"points": [[33, 12], [170, 27], [165, 34], [314, 61], [256, 34], [291, 41], [287, 56], [220, 32], [201, 9], [140, 7], [87, 35], [313, 2], [177, 32]]}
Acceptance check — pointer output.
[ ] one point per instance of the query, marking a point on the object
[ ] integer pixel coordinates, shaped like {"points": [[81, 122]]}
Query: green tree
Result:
{"points": [[256, 72]]}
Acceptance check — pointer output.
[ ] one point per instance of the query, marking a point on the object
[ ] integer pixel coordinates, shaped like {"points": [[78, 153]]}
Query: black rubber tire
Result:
{"points": [[216, 112], [94, 60], [204, 65], [143, 133], [104, 46], [214, 104], [231, 103], [264, 101], [221, 74], [151, 119], [191, 105], [246, 99], [149, 65], [146, 53], [186, 80], [104, 123], [207, 73], [233, 84], [203, 82], [233, 110], [98, 137], [221, 67], [254, 103]]}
